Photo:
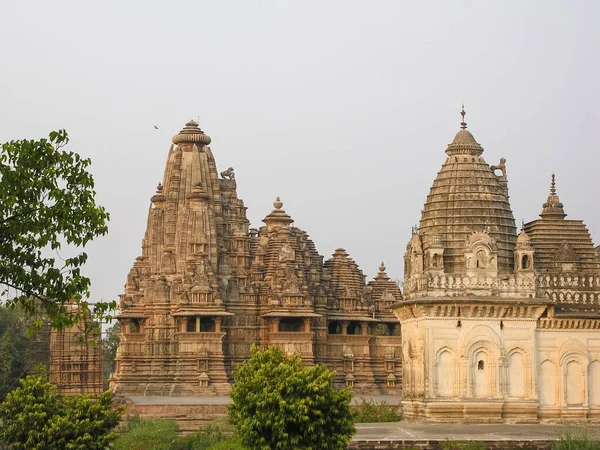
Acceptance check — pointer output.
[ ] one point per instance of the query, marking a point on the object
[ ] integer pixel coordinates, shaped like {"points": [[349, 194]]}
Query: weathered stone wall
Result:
{"points": [[569, 370]]}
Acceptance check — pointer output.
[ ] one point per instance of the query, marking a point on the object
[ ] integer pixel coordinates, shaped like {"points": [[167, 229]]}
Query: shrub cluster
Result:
{"points": [[369, 411], [163, 434]]}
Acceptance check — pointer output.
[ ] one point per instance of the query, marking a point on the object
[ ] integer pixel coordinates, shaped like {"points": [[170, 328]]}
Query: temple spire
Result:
{"points": [[553, 208]]}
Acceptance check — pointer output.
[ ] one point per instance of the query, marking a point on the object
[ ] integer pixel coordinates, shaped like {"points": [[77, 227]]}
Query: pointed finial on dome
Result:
{"points": [[553, 208], [522, 224], [382, 267], [278, 216], [463, 124]]}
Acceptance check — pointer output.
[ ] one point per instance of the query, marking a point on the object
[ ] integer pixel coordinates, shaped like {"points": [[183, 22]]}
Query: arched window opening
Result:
{"points": [[382, 329], [435, 261], [288, 325], [334, 328], [481, 262], [190, 326], [525, 262], [354, 328], [480, 365], [134, 326], [207, 325]]}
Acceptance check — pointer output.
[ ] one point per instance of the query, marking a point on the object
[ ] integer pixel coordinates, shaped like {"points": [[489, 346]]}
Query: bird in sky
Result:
{"points": [[155, 127]]}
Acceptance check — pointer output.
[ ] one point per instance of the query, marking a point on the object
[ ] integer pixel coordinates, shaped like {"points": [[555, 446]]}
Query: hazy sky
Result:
{"points": [[342, 108]]}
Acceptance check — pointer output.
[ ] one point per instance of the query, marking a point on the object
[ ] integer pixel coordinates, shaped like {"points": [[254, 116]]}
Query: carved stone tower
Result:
{"points": [[466, 309], [195, 252], [206, 288]]}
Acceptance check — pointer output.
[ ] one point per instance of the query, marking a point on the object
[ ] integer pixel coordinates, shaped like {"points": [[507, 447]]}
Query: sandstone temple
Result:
{"points": [[206, 287], [494, 324]]}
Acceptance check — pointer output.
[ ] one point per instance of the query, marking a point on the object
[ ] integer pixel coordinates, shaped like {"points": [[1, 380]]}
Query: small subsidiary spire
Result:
{"points": [[553, 208], [463, 124]]}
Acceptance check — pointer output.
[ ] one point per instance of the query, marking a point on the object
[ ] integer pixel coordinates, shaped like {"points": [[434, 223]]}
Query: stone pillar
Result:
{"points": [[217, 324], [197, 324], [345, 327], [307, 325], [275, 325], [364, 328]]}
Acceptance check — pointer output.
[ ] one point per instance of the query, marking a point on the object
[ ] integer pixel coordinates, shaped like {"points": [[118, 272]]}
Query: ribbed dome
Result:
{"points": [[464, 143], [467, 197], [193, 134]]}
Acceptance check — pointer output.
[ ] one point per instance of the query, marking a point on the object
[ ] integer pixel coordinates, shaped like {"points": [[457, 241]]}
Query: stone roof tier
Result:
{"points": [[560, 243], [468, 196]]}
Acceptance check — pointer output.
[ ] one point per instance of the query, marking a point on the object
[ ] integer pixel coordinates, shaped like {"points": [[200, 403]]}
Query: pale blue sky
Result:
{"points": [[342, 108]]}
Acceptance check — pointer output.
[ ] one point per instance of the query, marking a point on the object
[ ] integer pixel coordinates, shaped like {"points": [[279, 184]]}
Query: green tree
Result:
{"points": [[47, 201], [110, 343], [279, 403], [34, 417], [14, 349], [21, 352]]}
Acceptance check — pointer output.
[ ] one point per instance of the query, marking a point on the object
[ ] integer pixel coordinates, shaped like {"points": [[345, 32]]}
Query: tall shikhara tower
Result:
{"points": [[207, 287], [195, 253]]}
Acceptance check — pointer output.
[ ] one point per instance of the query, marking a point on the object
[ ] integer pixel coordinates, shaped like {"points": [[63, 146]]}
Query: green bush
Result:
{"points": [[280, 403], [35, 417], [204, 439], [369, 411], [576, 440], [162, 434], [141, 434]]}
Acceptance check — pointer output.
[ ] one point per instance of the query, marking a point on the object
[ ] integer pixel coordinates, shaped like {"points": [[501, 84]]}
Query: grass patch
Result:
{"points": [[576, 439]]}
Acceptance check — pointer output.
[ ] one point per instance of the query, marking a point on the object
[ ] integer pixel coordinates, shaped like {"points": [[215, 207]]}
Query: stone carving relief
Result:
{"points": [[286, 253], [501, 167], [228, 174]]}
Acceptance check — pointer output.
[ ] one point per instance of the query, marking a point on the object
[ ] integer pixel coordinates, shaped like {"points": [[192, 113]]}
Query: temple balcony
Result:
{"points": [[197, 343], [522, 285], [293, 342]]}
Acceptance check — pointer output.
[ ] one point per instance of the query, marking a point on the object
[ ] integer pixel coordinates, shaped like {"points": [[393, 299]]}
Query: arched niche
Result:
{"points": [[574, 363], [481, 373], [483, 356], [574, 382], [547, 383], [516, 374], [445, 372]]}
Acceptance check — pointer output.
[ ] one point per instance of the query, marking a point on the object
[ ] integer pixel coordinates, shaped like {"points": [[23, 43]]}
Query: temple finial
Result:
{"points": [[463, 124], [553, 185]]}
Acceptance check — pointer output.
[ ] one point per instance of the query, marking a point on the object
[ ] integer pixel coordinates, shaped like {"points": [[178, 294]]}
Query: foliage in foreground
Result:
{"points": [[162, 434], [576, 440], [369, 411], [35, 417], [47, 200], [147, 435], [15, 348], [279, 403]]}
